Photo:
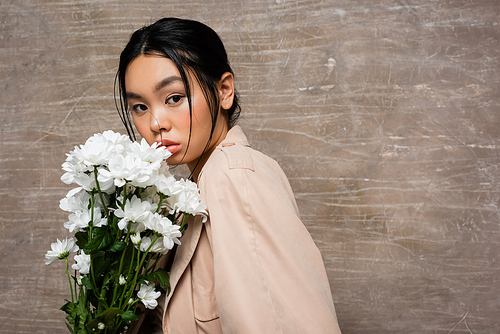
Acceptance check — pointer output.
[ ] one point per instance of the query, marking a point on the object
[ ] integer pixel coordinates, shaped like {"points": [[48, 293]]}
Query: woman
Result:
{"points": [[252, 267]]}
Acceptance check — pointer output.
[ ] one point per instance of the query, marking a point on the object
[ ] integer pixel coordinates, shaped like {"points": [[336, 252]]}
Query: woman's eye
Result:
{"points": [[174, 99], [139, 108]]}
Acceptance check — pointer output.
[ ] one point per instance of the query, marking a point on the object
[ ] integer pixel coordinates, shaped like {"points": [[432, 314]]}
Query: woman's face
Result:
{"points": [[159, 106]]}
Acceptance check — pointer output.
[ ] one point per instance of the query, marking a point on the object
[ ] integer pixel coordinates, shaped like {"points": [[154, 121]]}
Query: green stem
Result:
{"points": [[69, 280], [91, 224], [121, 263], [128, 274], [184, 218], [154, 264], [134, 303], [124, 196], [162, 197], [139, 266], [134, 281], [92, 204], [100, 195], [74, 282]]}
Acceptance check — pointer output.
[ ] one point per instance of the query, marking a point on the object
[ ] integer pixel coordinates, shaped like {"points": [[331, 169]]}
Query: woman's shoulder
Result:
{"points": [[235, 157], [238, 167], [235, 170], [234, 152]]}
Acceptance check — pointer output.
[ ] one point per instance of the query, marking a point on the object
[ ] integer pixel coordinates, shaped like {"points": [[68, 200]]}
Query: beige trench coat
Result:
{"points": [[252, 267]]}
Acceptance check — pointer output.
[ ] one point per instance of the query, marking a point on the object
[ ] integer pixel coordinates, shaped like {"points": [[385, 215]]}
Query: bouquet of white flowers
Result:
{"points": [[126, 212]]}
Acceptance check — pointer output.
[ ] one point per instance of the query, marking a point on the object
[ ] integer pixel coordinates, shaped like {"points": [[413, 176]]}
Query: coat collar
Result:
{"points": [[235, 135]]}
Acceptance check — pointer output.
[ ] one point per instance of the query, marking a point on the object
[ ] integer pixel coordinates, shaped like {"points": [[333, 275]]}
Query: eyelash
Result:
{"points": [[174, 96], [137, 107]]}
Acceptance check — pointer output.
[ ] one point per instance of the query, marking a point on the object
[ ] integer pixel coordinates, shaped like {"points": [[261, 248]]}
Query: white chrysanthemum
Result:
{"points": [[75, 202], [60, 250], [117, 139], [164, 168], [157, 247], [81, 219], [166, 184], [148, 295], [128, 168], [97, 150], [135, 210], [150, 195], [163, 226], [135, 232], [152, 154], [86, 180], [186, 198], [78, 200], [138, 165], [73, 166], [82, 263]]}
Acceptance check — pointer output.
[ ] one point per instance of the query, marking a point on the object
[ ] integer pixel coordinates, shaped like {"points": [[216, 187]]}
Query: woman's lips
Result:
{"points": [[173, 148], [169, 145]]}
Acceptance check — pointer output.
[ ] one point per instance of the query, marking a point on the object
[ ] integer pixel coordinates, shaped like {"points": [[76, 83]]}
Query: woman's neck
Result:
{"points": [[196, 166]]}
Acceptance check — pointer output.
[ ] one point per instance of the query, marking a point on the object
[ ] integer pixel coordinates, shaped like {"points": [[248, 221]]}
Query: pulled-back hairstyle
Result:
{"points": [[193, 47]]}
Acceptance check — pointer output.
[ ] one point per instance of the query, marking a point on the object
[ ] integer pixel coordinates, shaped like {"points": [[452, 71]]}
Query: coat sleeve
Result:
{"points": [[269, 274]]}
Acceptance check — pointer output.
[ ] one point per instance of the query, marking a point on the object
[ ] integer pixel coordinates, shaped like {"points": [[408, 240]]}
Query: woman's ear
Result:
{"points": [[226, 90]]}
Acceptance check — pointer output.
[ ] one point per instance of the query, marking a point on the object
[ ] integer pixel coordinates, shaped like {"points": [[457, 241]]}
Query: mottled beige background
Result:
{"points": [[384, 115]]}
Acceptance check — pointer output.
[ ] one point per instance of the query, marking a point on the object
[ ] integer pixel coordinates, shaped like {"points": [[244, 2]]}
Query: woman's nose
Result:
{"points": [[158, 120]]}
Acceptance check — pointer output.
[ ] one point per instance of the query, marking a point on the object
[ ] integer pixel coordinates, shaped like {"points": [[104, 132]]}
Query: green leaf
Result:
{"points": [[118, 246], [87, 283], [81, 309], [69, 307], [100, 263], [128, 259], [82, 330], [110, 314], [69, 328], [162, 277], [101, 239], [81, 239], [129, 316], [107, 318], [82, 314]]}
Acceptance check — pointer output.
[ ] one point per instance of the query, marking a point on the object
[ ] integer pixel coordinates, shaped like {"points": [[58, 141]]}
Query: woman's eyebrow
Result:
{"points": [[130, 95], [167, 81]]}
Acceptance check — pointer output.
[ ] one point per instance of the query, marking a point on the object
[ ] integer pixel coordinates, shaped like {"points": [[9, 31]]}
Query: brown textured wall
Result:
{"points": [[383, 114]]}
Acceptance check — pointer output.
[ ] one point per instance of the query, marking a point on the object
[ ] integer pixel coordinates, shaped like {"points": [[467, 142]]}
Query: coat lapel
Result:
{"points": [[184, 252]]}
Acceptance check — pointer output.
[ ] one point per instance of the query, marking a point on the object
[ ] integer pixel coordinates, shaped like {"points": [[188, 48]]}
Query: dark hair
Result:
{"points": [[191, 46]]}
